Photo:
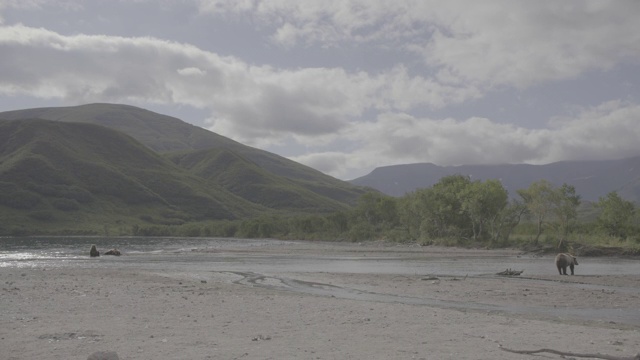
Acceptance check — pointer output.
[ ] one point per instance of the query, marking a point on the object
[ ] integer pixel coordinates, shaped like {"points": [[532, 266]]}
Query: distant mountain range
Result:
{"points": [[592, 179], [118, 164]]}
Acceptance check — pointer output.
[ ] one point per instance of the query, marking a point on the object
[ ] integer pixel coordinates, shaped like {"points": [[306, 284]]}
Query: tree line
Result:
{"points": [[454, 211]]}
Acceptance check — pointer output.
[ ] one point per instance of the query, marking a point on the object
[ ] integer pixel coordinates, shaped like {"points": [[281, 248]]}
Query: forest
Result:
{"points": [[456, 211]]}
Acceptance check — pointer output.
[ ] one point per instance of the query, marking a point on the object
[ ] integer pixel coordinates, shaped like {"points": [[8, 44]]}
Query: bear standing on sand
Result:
{"points": [[564, 260]]}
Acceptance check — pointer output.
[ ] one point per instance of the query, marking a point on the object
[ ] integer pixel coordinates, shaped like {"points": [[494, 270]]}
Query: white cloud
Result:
{"points": [[521, 43], [329, 22], [330, 162], [513, 43], [608, 131], [254, 104], [191, 71]]}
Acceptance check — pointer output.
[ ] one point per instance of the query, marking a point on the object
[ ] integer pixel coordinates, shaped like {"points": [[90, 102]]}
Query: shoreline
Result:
{"points": [[70, 313]]}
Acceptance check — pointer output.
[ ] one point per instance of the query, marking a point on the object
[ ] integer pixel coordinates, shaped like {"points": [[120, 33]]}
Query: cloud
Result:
{"points": [[253, 104], [86, 68], [607, 131], [191, 71], [488, 44], [330, 162], [520, 44]]}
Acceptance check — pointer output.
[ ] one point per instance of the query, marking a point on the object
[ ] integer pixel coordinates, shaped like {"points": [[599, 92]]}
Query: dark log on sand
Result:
{"points": [[510, 272], [567, 353]]}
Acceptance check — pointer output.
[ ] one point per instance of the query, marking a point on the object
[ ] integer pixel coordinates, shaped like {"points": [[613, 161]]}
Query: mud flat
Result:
{"points": [[71, 312]]}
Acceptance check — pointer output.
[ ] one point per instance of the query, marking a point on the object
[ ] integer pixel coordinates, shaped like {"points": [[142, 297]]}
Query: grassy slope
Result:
{"points": [[60, 174], [166, 134], [252, 182]]}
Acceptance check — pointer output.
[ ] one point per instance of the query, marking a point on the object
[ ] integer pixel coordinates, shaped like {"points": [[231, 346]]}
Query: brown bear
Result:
{"points": [[564, 260], [94, 252], [114, 252]]}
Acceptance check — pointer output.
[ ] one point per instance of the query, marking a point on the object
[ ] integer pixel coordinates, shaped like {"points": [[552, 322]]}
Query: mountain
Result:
{"points": [[165, 134], [252, 182], [73, 172], [592, 179], [121, 166], [159, 132]]}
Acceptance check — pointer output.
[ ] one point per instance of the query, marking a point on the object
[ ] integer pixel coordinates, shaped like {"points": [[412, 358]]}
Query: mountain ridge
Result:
{"points": [[165, 134], [72, 175], [591, 178], [105, 164]]}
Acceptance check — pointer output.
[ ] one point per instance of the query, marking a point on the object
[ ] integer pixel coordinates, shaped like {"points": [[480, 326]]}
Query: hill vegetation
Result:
{"points": [[165, 134], [81, 177], [71, 175], [117, 170]]}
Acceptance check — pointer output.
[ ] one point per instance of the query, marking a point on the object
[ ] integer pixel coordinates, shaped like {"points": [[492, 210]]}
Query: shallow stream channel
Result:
{"points": [[270, 264]]}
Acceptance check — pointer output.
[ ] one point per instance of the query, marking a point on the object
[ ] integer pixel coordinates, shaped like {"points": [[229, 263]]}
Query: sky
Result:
{"points": [[345, 86]]}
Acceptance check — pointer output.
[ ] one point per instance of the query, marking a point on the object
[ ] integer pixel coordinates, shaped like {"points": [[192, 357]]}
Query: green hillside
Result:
{"points": [[159, 132], [246, 179], [165, 134], [113, 166], [70, 175]]}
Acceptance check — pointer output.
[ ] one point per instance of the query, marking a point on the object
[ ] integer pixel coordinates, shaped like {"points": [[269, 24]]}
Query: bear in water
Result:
{"points": [[94, 252], [564, 260], [114, 252]]}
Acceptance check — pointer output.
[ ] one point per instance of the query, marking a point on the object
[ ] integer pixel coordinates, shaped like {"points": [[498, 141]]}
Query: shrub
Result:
{"points": [[361, 232]]}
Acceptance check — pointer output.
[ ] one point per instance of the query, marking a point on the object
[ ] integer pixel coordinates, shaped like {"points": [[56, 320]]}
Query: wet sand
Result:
{"points": [[69, 313]]}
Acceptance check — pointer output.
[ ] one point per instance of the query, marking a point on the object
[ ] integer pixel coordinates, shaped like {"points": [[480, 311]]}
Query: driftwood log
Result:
{"points": [[566, 353], [510, 272]]}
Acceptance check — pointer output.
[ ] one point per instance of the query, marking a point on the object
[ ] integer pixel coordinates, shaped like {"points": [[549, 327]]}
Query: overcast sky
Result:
{"points": [[345, 86]]}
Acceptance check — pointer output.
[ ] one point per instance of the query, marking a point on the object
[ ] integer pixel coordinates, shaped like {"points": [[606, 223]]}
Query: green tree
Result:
{"points": [[616, 215], [482, 202], [539, 199], [447, 207], [508, 218], [409, 215], [377, 210], [565, 208], [338, 222]]}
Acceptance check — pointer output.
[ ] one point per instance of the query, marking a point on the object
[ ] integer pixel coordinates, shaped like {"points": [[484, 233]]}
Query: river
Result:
{"points": [[275, 269]]}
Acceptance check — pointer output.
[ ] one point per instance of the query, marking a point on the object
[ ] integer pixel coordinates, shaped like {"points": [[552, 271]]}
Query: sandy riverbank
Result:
{"points": [[68, 314]]}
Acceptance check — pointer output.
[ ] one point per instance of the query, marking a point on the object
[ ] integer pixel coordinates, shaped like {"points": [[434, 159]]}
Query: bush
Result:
{"points": [[361, 232], [153, 231], [224, 228], [191, 231], [171, 222], [398, 235]]}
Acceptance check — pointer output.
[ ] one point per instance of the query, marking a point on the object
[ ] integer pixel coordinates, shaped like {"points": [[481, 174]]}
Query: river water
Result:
{"points": [[252, 267], [215, 254]]}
